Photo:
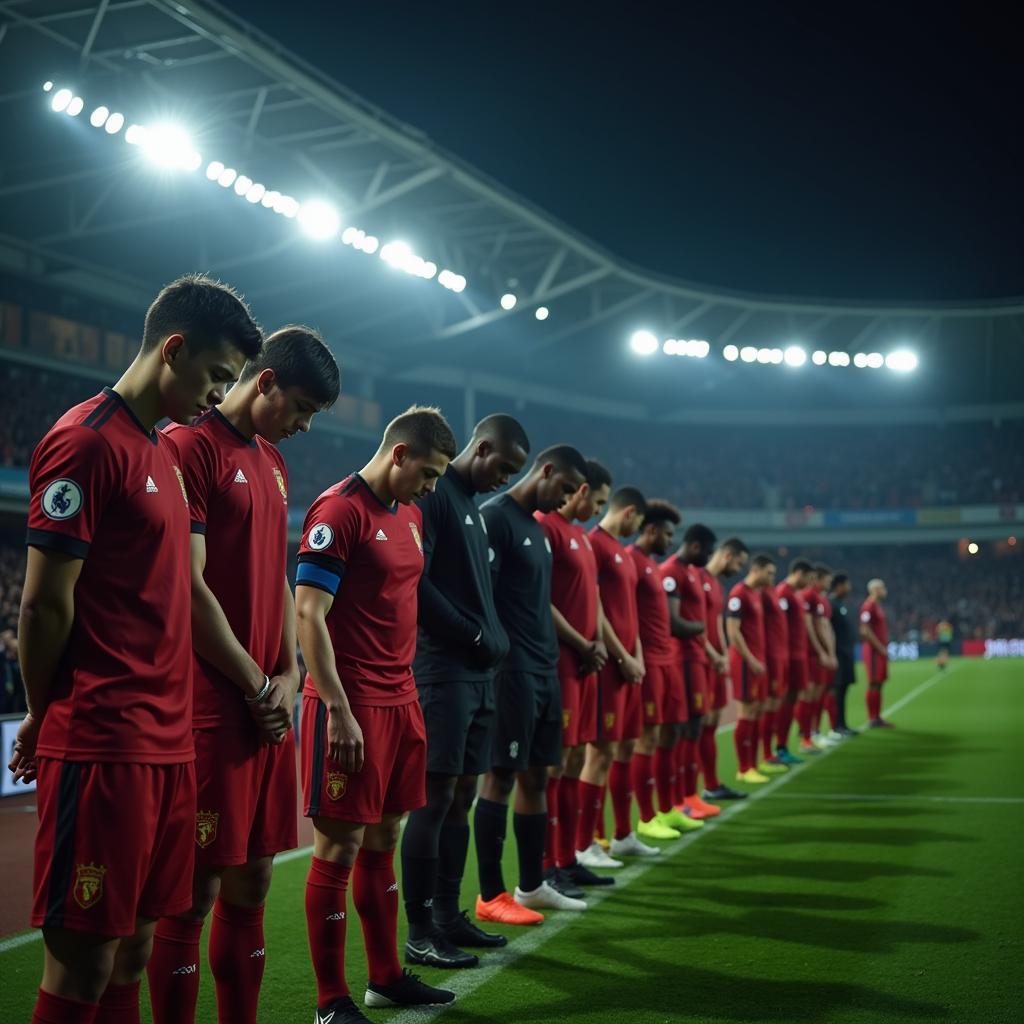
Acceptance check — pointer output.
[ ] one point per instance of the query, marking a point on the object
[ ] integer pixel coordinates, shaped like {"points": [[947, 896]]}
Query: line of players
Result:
{"points": [[443, 642]]}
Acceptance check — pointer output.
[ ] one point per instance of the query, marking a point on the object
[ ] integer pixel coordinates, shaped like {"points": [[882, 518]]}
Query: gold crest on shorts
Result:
{"points": [[566, 717], [650, 708], [609, 720], [337, 783], [88, 889], [206, 827], [698, 701], [279, 477], [416, 536], [181, 483]]}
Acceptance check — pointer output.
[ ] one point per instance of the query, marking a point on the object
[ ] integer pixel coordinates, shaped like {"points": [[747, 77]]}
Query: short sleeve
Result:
{"points": [[498, 533], [865, 616], [72, 480], [329, 536], [669, 585], [197, 467]]}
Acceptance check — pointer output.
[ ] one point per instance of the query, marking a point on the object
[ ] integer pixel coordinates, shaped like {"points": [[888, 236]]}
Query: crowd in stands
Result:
{"points": [[12, 571]]}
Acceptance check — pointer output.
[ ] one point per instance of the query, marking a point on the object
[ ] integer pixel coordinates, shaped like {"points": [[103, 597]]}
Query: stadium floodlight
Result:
{"points": [[398, 255], [269, 198], [226, 178], [287, 206], [508, 301], [777, 356], [764, 355], [542, 313], [319, 219], [243, 184], [835, 358], [168, 146], [214, 169], [730, 353], [875, 360], [795, 356], [670, 347], [350, 236], [643, 343], [98, 118], [255, 193], [47, 86], [135, 135], [973, 548], [902, 360], [860, 360], [748, 353], [429, 271], [819, 357], [371, 243], [702, 349], [61, 99], [76, 106], [114, 123]]}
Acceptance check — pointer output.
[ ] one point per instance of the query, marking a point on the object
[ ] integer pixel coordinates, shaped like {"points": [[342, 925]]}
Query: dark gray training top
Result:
{"points": [[456, 602], [521, 572], [845, 637]]}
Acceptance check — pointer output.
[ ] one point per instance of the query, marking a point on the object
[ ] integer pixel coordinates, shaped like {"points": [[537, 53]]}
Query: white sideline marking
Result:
{"points": [[517, 949], [896, 798]]}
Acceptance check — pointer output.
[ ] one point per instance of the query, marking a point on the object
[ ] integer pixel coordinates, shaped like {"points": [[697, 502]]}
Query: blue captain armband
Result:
{"points": [[324, 574]]}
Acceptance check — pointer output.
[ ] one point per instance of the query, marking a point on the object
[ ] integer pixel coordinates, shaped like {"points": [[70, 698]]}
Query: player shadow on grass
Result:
{"points": [[638, 989], [793, 835]]}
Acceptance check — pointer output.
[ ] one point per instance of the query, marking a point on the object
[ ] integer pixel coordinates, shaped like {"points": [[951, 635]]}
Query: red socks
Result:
{"points": [[551, 836], [679, 787], [745, 737], [665, 777], [690, 768], [874, 700], [375, 895], [783, 724], [768, 734], [119, 1005], [58, 1010], [237, 957], [621, 789], [173, 970], [643, 784], [326, 885], [708, 750], [830, 707], [568, 819], [591, 802], [804, 709]]}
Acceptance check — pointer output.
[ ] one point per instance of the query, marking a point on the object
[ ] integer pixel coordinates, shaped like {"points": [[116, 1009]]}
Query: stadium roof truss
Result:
{"points": [[73, 211]]}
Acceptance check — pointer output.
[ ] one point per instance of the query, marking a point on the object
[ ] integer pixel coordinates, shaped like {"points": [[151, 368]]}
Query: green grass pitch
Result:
{"points": [[880, 883]]}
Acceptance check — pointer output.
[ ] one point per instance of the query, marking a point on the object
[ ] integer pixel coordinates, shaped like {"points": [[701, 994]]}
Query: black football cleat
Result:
{"points": [[408, 990], [561, 882], [460, 931], [584, 876], [437, 951], [341, 1011], [724, 793]]}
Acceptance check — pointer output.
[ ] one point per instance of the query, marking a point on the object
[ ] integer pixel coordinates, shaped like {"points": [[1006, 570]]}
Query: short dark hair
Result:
{"points": [[700, 534], [659, 512], [839, 578], [597, 475], [504, 429], [299, 358], [759, 561], [821, 569], [424, 429], [626, 496], [205, 312], [735, 546], [800, 565], [564, 457]]}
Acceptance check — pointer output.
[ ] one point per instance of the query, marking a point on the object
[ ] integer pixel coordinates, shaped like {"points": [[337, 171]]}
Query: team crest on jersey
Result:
{"points": [[573, 545], [62, 499], [513, 748], [609, 720], [416, 536], [618, 558], [669, 584], [784, 604], [88, 888], [337, 783], [206, 827], [735, 604], [707, 586], [320, 537], [279, 477], [181, 484]]}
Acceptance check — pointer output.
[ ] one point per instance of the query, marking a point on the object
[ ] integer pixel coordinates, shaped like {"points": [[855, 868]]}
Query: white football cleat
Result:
{"points": [[632, 847], [594, 857], [546, 897]]}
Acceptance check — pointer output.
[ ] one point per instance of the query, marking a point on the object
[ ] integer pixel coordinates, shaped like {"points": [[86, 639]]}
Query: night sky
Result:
{"points": [[863, 151]]}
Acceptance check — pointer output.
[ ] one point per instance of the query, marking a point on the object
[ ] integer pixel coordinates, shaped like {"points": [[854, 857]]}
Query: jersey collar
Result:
{"points": [[249, 442], [111, 393]]}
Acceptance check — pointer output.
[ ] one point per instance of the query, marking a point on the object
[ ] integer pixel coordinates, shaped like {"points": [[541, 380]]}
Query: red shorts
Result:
{"points": [[746, 687], [719, 690], [245, 804], [579, 716], [663, 694], [620, 706], [799, 676], [697, 686], [114, 844], [876, 665], [778, 676], [393, 777]]}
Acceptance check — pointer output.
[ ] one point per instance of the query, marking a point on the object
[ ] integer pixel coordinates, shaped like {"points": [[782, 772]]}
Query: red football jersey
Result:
{"points": [[873, 614], [652, 607], [616, 578], [792, 604], [776, 627], [683, 581], [573, 572], [715, 603], [814, 605], [106, 490], [238, 497], [745, 604], [370, 557]]}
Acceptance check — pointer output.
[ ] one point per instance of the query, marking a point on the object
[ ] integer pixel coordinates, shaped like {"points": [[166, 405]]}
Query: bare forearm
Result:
{"points": [[318, 653], [287, 658], [615, 646], [813, 638], [567, 634], [868, 634], [213, 641], [43, 631]]}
